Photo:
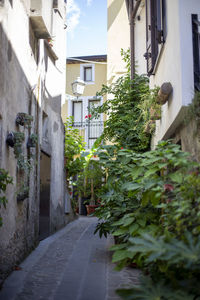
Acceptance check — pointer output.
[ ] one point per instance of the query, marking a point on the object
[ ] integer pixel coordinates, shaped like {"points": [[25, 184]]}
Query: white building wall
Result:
{"points": [[36, 89], [140, 40], [175, 62], [118, 37]]}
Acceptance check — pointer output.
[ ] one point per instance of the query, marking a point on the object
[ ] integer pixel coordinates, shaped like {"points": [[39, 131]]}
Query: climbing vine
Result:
{"points": [[128, 110], [74, 145], [5, 179]]}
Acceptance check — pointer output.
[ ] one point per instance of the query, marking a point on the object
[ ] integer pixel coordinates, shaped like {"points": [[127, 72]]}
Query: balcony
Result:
{"points": [[40, 16], [90, 131]]}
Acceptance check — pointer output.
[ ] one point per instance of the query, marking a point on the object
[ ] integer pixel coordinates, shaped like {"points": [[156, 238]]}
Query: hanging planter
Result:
{"points": [[23, 193], [164, 93], [24, 119], [10, 139], [14, 138]]}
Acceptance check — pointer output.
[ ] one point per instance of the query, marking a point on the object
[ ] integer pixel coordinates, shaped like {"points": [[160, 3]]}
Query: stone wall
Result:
{"points": [[32, 81], [188, 136]]}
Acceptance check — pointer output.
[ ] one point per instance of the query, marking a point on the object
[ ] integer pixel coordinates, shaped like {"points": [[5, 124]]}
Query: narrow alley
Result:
{"points": [[72, 264]]}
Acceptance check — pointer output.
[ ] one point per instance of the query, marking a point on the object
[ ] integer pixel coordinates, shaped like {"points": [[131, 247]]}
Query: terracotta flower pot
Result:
{"points": [[154, 114], [91, 208]]}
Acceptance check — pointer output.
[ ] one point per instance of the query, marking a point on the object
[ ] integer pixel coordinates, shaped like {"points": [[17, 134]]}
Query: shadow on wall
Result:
{"points": [[113, 11], [15, 96]]}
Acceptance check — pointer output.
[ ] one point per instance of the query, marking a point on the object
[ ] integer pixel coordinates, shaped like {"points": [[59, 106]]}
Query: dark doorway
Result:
{"points": [[45, 181]]}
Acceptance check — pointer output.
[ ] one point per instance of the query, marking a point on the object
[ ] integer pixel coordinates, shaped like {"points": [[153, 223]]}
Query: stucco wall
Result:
{"points": [[118, 38], [72, 72], [33, 88], [140, 43]]}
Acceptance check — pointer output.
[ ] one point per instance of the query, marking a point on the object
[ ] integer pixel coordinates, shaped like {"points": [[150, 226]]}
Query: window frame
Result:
{"points": [[85, 75], [82, 73], [77, 101]]}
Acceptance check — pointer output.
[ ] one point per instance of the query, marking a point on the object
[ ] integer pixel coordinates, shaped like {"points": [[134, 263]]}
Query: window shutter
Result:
{"points": [[77, 111], [155, 30], [151, 35], [164, 20], [196, 51]]}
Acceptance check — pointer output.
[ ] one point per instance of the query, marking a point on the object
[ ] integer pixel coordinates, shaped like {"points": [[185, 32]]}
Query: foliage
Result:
{"points": [[193, 110], [89, 181], [18, 139], [32, 140], [154, 290], [5, 179], [127, 108], [24, 119], [151, 205], [74, 145]]}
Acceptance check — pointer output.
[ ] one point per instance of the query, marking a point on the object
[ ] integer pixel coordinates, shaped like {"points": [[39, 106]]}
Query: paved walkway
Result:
{"points": [[72, 264]]}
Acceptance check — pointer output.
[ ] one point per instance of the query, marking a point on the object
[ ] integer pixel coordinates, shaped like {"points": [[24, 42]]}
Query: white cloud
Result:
{"points": [[89, 2], [73, 15]]}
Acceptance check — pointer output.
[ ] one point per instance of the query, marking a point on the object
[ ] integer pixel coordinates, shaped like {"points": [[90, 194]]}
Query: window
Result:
{"points": [[196, 51], [77, 112], [155, 31], [87, 73]]}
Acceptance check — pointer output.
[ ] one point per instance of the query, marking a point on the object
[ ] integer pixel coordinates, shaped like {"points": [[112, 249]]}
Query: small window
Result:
{"points": [[87, 73]]}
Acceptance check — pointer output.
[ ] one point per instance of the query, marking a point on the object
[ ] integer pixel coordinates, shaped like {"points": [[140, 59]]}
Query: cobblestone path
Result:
{"points": [[72, 264]]}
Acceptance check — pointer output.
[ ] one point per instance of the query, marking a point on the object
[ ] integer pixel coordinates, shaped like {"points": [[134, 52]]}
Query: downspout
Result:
{"points": [[132, 11]]}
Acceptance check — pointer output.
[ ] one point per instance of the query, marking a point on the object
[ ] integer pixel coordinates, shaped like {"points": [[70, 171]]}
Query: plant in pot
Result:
{"points": [[89, 184], [24, 119]]}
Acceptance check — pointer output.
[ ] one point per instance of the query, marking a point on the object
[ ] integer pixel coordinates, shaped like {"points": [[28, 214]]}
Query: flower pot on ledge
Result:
{"points": [[91, 209]]}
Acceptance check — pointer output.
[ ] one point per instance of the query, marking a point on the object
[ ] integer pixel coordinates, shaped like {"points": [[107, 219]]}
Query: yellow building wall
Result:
{"points": [[73, 71], [118, 37]]}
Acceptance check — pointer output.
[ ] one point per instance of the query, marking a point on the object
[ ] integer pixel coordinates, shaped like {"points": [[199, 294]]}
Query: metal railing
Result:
{"points": [[90, 130]]}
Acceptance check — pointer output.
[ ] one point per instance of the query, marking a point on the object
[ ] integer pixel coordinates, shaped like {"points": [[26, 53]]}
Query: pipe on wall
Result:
{"points": [[132, 8]]}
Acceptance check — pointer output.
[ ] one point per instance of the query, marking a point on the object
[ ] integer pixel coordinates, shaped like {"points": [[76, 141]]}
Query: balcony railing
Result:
{"points": [[90, 131]]}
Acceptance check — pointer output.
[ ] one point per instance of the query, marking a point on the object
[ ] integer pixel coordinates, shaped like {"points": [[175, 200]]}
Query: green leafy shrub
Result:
{"points": [[127, 107], [151, 205], [74, 145], [90, 180], [5, 179]]}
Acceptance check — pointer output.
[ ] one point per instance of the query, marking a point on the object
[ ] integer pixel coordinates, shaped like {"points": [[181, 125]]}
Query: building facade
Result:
{"points": [[164, 41], [92, 70], [32, 89], [118, 38]]}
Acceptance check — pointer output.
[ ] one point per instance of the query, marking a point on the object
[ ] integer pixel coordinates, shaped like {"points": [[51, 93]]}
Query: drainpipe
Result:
{"points": [[132, 11]]}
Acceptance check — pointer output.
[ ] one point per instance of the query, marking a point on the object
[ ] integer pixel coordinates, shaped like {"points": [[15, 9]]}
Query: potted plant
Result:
{"points": [[24, 119], [89, 184], [14, 140]]}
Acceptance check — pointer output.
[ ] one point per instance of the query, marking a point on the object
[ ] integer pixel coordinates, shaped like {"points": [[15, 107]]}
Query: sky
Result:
{"points": [[86, 27]]}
